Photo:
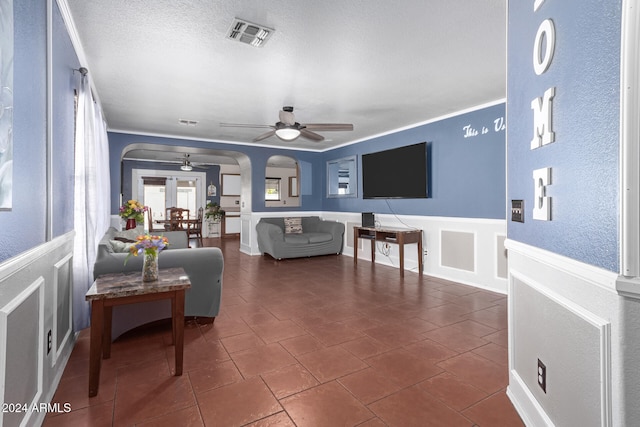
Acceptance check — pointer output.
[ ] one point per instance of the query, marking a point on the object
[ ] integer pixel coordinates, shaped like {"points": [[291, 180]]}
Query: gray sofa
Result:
{"points": [[204, 266], [317, 237]]}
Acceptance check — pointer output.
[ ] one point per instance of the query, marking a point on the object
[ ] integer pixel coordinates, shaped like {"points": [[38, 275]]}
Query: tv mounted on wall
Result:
{"points": [[398, 173]]}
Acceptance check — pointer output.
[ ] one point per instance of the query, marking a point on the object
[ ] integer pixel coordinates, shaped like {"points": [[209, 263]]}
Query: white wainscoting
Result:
{"points": [[35, 310], [484, 246], [569, 315]]}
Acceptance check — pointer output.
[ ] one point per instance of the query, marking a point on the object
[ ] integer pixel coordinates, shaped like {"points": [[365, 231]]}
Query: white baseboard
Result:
{"points": [[525, 403]]}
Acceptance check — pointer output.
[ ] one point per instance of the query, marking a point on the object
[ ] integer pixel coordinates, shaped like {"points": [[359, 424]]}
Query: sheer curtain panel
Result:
{"points": [[91, 197]]}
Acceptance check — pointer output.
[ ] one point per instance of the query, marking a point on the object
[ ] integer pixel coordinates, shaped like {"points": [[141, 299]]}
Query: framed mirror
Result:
{"points": [[342, 177]]}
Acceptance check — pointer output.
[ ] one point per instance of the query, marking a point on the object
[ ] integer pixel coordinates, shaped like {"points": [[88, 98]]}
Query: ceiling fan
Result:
{"points": [[186, 163], [288, 129]]}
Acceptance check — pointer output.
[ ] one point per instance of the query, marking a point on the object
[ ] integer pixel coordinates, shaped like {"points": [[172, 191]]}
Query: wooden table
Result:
{"points": [[399, 236], [114, 289], [184, 224]]}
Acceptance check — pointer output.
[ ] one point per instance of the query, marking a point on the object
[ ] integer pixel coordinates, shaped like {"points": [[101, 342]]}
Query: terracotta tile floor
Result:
{"points": [[309, 342]]}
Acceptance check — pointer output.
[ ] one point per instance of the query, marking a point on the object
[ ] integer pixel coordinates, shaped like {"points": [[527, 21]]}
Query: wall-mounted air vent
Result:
{"points": [[249, 33]]}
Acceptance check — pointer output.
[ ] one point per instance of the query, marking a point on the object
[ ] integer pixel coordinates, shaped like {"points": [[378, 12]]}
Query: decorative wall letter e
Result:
{"points": [[541, 203]]}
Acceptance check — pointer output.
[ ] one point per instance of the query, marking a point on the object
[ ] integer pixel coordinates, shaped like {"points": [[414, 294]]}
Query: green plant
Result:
{"points": [[214, 211]]}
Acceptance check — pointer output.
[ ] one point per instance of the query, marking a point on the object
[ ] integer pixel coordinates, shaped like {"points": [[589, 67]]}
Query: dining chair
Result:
{"points": [[195, 227], [178, 219], [151, 224]]}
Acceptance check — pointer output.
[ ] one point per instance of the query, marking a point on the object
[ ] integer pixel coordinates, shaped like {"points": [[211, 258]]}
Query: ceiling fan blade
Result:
{"points": [[305, 133], [287, 117], [329, 126], [264, 136], [243, 125]]}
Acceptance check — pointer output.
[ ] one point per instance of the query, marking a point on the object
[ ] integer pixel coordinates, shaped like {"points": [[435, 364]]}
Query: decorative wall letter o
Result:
{"points": [[537, 4], [541, 203], [545, 31]]}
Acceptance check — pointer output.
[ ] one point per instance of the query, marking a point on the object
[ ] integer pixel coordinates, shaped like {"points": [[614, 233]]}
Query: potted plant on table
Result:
{"points": [[133, 211], [213, 214]]}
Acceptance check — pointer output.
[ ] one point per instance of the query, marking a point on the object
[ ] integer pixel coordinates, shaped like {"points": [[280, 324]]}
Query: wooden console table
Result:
{"points": [[114, 289], [399, 236]]}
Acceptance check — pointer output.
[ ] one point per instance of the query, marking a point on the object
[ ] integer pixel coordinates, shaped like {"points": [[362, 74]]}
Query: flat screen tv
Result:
{"points": [[398, 173]]}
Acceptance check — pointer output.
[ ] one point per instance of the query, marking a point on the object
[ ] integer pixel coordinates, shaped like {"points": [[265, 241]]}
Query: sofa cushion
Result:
{"points": [[119, 247], [293, 225], [296, 238], [318, 237]]}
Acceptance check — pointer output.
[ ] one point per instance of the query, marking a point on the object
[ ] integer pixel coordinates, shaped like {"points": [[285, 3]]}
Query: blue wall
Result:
{"points": [[212, 173], [65, 82], [309, 162], [584, 158], [467, 174], [24, 226]]}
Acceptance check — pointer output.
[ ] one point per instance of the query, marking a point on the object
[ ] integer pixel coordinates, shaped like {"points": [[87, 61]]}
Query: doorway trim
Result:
{"points": [[630, 140]]}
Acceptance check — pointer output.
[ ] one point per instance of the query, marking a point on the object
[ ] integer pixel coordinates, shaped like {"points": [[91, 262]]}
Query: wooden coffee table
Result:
{"points": [[114, 289]]}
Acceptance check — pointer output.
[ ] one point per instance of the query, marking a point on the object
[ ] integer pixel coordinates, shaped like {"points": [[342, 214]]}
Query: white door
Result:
{"points": [[160, 190]]}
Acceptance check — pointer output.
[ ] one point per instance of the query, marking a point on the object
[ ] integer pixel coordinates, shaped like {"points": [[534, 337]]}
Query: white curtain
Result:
{"points": [[92, 197]]}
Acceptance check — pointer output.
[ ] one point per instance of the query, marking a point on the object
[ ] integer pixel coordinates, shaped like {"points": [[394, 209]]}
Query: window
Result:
{"points": [[272, 189]]}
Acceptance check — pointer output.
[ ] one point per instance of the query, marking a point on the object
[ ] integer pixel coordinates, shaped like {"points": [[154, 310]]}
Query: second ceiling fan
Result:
{"points": [[288, 129]]}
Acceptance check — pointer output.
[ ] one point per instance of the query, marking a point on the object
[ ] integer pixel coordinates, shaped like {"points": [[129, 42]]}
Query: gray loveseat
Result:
{"points": [[204, 266], [316, 237]]}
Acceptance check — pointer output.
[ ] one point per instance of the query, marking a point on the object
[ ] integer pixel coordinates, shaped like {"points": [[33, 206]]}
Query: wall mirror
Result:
{"points": [[342, 177]]}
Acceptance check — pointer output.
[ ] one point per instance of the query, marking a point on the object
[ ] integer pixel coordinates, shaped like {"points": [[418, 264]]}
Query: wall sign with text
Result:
{"points": [[543, 134]]}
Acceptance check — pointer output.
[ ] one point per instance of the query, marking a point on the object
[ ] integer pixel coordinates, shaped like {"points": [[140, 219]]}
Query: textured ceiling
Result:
{"points": [[381, 65]]}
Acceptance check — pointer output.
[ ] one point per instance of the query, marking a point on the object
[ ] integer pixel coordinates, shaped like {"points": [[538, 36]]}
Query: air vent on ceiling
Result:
{"points": [[249, 33], [187, 122]]}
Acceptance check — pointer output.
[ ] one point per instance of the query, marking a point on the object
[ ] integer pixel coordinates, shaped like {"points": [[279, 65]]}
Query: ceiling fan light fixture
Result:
{"points": [[186, 167], [287, 133]]}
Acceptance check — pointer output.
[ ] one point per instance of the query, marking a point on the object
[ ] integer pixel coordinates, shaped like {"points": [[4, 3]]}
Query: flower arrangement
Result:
{"points": [[133, 209], [149, 245]]}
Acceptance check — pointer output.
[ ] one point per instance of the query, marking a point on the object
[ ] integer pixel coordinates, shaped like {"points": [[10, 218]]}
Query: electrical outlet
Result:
{"points": [[49, 342], [517, 210], [542, 376]]}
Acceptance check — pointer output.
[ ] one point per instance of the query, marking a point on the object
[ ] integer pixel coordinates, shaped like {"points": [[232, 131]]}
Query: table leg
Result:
{"points": [[174, 325], [355, 245], [401, 250], [373, 252], [95, 347], [420, 256], [178, 327], [106, 332]]}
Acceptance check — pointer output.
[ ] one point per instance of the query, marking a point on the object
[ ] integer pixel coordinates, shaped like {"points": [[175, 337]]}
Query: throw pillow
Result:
{"points": [[293, 225], [124, 240], [130, 234], [120, 247]]}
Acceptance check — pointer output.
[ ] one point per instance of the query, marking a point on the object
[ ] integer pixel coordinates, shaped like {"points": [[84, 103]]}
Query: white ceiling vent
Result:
{"points": [[249, 33]]}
